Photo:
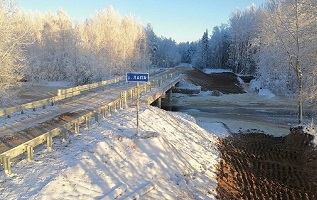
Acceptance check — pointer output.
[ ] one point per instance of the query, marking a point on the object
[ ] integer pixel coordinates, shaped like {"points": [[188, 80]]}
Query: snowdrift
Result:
{"points": [[172, 158]]}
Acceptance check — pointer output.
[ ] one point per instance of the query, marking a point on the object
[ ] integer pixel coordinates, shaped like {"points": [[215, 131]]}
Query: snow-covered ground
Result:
{"points": [[210, 71], [172, 152]]}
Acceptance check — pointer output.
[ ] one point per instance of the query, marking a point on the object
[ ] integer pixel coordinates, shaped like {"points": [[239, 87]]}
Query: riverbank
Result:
{"points": [[234, 104]]}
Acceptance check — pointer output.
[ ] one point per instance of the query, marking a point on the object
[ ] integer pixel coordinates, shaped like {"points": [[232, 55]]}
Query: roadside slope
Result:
{"points": [[172, 152]]}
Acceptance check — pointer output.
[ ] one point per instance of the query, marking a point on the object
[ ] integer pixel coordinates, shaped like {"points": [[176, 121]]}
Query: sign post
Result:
{"points": [[138, 78]]}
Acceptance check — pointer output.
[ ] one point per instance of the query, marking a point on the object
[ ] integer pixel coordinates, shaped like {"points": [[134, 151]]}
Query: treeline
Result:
{"points": [[53, 47], [277, 42]]}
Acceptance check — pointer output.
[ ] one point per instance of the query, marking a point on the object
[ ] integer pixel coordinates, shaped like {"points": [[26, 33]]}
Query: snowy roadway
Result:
{"points": [[84, 101]]}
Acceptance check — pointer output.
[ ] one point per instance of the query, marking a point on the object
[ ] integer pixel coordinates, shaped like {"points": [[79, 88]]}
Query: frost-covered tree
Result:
{"points": [[15, 36], [205, 55], [202, 57], [167, 53], [288, 42], [118, 42], [152, 44], [183, 49], [242, 32], [219, 47], [105, 45]]}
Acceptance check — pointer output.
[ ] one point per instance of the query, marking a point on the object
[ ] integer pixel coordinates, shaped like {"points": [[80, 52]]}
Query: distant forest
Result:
{"points": [[276, 42]]}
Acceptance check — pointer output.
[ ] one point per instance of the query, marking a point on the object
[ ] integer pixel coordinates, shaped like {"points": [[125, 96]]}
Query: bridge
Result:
{"points": [[75, 108]]}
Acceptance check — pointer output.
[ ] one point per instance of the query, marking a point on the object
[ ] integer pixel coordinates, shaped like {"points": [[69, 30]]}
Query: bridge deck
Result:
{"points": [[38, 128]]}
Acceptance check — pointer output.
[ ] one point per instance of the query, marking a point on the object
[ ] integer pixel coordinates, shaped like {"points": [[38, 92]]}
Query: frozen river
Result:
{"points": [[241, 112]]}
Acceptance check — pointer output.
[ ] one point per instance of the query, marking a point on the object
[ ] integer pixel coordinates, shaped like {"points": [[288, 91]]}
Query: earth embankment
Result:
{"points": [[226, 82], [260, 166]]}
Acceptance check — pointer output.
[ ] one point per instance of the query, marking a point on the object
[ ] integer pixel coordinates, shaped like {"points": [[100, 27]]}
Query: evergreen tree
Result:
{"points": [[205, 56]]}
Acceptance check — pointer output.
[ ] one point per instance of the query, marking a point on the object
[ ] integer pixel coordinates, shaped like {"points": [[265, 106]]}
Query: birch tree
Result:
{"points": [[288, 31], [15, 36]]}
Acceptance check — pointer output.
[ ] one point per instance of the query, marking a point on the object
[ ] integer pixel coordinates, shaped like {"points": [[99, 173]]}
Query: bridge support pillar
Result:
{"points": [[159, 102], [169, 96]]}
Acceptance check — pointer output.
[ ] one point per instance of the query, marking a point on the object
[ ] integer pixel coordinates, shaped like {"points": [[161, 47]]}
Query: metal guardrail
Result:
{"points": [[61, 94], [91, 116], [35, 104], [89, 86]]}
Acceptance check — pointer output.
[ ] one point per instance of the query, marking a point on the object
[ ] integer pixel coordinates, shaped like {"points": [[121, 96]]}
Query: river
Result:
{"points": [[239, 112]]}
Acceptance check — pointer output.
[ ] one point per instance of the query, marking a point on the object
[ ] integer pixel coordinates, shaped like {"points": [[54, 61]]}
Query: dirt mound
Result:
{"points": [[225, 82], [260, 166]]}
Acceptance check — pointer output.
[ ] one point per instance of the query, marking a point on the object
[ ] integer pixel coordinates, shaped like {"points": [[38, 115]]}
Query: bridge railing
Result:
{"points": [[61, 94], [87, 118], [89, 86]]}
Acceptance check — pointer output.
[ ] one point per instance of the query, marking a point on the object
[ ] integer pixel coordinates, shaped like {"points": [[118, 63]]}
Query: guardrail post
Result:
{"points": [[29, 152], [109, 109], [76, 127], [87, 119], [155, 83], [124, 99], [96, 117], [49, 140], [103, 111], [65, 134], [131, 95], [116, 104], [145, 87], [6, 164], [120, 104]]}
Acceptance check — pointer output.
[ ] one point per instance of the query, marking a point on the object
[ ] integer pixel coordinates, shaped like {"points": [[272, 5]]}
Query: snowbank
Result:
{"points": [[311, 130], [255, 85], [266, 93], [210, 71], [173, 154], [187, 85]]}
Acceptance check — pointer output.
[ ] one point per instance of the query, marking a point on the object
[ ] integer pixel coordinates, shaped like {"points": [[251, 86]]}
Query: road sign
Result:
{"points": [[137, 77]]}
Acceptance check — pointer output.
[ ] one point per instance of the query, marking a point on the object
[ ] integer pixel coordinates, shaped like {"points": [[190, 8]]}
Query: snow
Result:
{"points": [[311, 129], [187, 85], [199, 106], [266, 93], [174, 153], [210, 71], [60, 84], [255, 85]]}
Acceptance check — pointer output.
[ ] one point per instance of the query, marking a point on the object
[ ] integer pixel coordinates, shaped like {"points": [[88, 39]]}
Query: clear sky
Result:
{"points": [[182, 20]]}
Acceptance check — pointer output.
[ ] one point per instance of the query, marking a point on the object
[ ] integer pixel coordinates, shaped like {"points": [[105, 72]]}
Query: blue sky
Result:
{"points": [[182, 20]]}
